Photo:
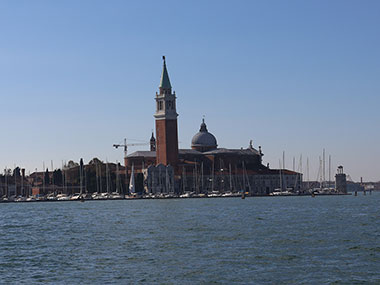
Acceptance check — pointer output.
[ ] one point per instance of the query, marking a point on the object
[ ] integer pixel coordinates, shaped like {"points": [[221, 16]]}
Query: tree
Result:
{"points": [[95, 161], [7, 172], [47, 177], [71, 164], [57, 177], [16, 172]]}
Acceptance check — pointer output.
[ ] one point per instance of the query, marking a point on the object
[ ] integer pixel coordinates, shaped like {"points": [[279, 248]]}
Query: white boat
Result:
{"points": [[103, 196], [185, 195], [76, 196], [51, 197], [115, 195], [20, 199], [280, 192], [95, 196], [63, 197]]}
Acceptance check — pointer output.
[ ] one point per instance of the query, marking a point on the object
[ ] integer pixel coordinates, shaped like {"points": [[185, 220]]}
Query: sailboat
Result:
{"points": [[184, 194], [105, 195], [132, 188], [117, 194], [281, 191], [78, 196]]}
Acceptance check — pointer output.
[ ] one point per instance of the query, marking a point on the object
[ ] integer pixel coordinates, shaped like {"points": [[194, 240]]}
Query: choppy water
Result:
{"points": [[287, 240]]}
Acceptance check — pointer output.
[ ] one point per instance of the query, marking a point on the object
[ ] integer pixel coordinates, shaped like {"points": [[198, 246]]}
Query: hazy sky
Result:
{"points": [[294, 76]]}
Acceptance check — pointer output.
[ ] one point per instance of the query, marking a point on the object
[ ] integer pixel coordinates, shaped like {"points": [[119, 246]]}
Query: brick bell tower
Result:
{"points": [[166, 122]]}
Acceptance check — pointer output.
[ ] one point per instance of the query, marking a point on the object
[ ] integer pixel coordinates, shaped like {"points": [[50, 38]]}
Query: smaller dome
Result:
{"points": [[203, 140]]}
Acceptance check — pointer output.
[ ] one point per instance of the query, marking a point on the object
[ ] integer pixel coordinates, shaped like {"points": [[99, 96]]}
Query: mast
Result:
{"points": [[167, 180], [301, 175], [132, 180], [85, 179], [212, 180], [324, 169], [29, 187], [243, 177], [52, 176], [100, 178], [43, 177], [107, 178], [320, 172], [202, 177], [249, 184], [279, 162], [221, 176], [196, 178], [183, 179], [97, 177], [81, 176], [159, 179], [307, 173], [153, 188], [22, 184], [66, 180], [283, 167], [6, 181], [230, 177], [117, 178], [14, 167], [329, 170], [294, 163], [63, 177], [238, 178]]}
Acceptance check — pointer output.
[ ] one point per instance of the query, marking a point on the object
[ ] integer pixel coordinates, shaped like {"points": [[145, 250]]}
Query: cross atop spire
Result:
{"points": [[165, 82]]}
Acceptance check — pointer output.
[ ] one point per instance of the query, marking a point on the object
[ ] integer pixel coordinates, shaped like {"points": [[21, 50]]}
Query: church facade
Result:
{"points": [[204, 168]]}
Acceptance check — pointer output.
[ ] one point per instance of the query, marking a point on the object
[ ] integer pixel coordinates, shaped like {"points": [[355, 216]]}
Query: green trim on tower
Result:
{"points": [[165, 82]]}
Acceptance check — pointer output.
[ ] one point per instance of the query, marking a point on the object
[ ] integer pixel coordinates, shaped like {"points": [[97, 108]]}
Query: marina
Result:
{"points": [[115, 196]]}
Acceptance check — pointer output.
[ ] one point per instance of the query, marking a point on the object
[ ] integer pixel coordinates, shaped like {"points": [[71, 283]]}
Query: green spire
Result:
{"points": [[165, 82]]}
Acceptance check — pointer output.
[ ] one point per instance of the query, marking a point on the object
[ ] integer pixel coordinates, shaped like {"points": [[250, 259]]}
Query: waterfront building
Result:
{"points": [[203, 168]]}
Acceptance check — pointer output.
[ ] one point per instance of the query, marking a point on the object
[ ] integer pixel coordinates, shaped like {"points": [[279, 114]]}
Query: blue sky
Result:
{"points": [[293, 76]]}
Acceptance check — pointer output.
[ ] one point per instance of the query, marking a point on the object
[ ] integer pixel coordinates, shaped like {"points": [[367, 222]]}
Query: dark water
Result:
{"points": [[282, 240]]}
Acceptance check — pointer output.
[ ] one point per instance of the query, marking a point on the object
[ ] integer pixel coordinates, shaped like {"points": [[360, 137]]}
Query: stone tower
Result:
{"points": [[166, 122], [341, 181]]}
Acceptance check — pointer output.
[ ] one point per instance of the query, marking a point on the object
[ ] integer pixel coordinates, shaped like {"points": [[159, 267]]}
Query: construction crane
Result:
{"points": [[126, 145]]}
